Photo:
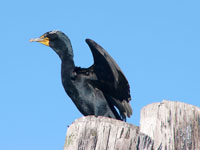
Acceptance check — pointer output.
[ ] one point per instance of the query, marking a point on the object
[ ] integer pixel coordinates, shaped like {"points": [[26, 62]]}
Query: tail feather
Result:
{"points": [[124, 107]]}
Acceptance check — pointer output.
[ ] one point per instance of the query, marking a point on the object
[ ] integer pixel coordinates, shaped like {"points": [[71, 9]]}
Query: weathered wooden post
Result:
{"points": [[167, 125], [101, 133], [174, 124]]}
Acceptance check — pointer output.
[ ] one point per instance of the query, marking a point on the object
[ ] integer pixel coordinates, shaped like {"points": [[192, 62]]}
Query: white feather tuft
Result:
{"points": [[53, 31]]}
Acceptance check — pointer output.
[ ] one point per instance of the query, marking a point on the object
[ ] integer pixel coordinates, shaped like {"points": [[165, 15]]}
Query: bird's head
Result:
{"points": [[57, 40]]}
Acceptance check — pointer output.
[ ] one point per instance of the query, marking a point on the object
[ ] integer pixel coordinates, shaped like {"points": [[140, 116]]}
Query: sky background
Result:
{"points": [[155, 43]]}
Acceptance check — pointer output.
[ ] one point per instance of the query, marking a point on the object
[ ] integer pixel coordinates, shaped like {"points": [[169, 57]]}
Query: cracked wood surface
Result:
{"points": [[167, 125], [101, 133], [175, 124]]}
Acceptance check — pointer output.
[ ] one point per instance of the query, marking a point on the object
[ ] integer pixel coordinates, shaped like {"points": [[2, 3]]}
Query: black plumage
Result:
{"points": [[97, 90]]}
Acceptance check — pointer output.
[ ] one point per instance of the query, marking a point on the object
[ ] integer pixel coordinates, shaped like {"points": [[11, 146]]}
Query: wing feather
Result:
{"points": [[110, 77]]}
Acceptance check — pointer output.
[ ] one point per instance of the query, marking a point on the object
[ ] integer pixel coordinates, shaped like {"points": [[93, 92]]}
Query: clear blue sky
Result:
{"points": [[156, 44]]}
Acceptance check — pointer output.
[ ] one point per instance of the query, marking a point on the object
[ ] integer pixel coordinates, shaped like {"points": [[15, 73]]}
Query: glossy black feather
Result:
{"points": [[97, 90], [111, 79], [109, 73]]}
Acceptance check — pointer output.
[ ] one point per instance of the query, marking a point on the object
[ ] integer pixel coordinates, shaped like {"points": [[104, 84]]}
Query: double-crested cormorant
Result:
{"points": [[97, 90]]}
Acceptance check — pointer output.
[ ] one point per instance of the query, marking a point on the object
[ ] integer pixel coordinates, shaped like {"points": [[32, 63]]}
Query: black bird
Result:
{"points": [[97, 90]]}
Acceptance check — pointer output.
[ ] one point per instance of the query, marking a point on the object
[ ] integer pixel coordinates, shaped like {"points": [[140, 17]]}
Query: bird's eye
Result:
{"points": [[52, 36]]}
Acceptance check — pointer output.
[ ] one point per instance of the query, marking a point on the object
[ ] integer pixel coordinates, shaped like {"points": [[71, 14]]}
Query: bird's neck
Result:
{"points": [[67, 66], [65, 54], [67, 69]]}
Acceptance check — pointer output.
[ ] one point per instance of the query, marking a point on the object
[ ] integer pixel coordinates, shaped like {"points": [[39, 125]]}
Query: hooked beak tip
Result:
{"points": [[31, 40]]}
